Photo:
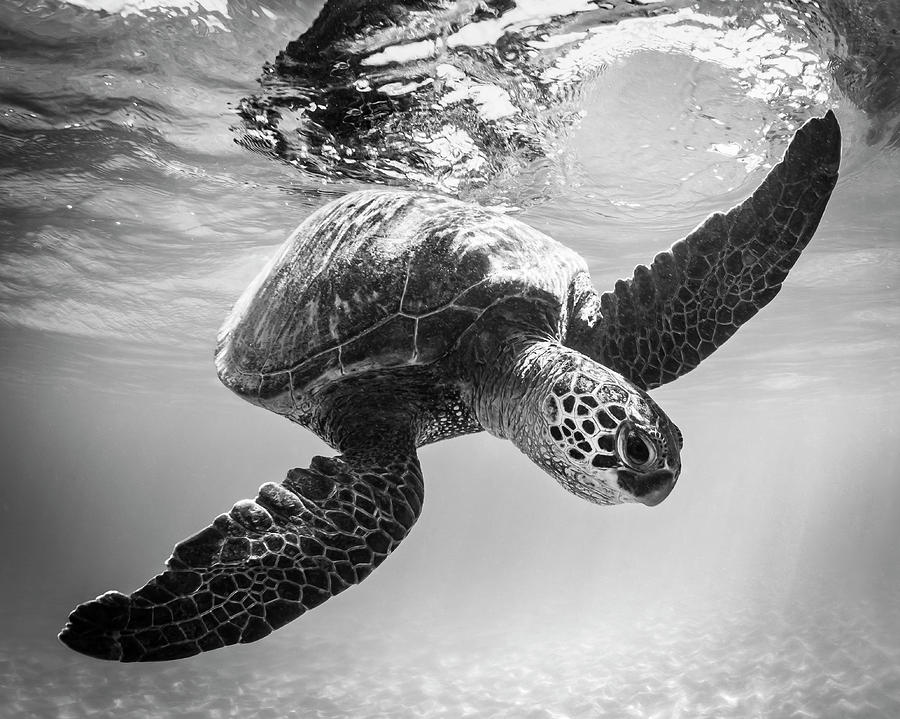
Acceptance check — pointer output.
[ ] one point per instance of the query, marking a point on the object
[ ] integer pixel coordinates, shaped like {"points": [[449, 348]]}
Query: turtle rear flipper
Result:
{"points": [[672, 315], [261, 565]]}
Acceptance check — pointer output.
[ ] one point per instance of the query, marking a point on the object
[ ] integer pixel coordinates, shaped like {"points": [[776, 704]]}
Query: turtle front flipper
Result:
{"points": [[263, 564], [669, 317]]}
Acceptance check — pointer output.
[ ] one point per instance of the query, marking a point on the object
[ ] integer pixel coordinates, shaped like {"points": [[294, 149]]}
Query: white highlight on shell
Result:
{"points": [[243, 303], [246, 299]]}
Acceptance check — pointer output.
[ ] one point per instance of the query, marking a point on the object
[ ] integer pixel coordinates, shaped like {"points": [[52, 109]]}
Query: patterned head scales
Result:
{"points": [[615, 443]]}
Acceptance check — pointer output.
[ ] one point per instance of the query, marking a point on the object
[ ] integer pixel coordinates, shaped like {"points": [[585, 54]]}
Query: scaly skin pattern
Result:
{"points": [[575, 419], [266, 562], [669, 317]]}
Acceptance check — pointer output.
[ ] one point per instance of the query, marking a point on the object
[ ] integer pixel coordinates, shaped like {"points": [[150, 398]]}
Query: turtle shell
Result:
{"points": [[379, 280]]}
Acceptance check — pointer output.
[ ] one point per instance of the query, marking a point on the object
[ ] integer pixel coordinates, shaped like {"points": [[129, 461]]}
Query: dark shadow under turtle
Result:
{"points": [[389, 320]]}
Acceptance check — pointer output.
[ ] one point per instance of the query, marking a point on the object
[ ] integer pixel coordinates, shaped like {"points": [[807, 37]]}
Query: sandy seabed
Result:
{"points": [[840, 660]]}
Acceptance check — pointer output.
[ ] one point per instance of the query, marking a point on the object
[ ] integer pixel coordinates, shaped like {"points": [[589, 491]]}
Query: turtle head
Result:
{"points": [[604, 439]]}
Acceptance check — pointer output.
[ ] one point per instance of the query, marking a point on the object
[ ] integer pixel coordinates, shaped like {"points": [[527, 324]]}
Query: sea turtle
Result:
{"points": [[393, 319]]}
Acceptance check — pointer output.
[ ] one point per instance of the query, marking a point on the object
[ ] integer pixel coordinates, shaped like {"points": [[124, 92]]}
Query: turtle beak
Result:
{"points": [[650, 488]]}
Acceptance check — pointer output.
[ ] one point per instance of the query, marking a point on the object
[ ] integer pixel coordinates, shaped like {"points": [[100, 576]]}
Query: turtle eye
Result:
{"points": [[636, 449]]}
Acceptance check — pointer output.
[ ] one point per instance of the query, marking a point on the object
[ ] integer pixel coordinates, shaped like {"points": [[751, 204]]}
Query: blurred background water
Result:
{"points": [[130, 219]]}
